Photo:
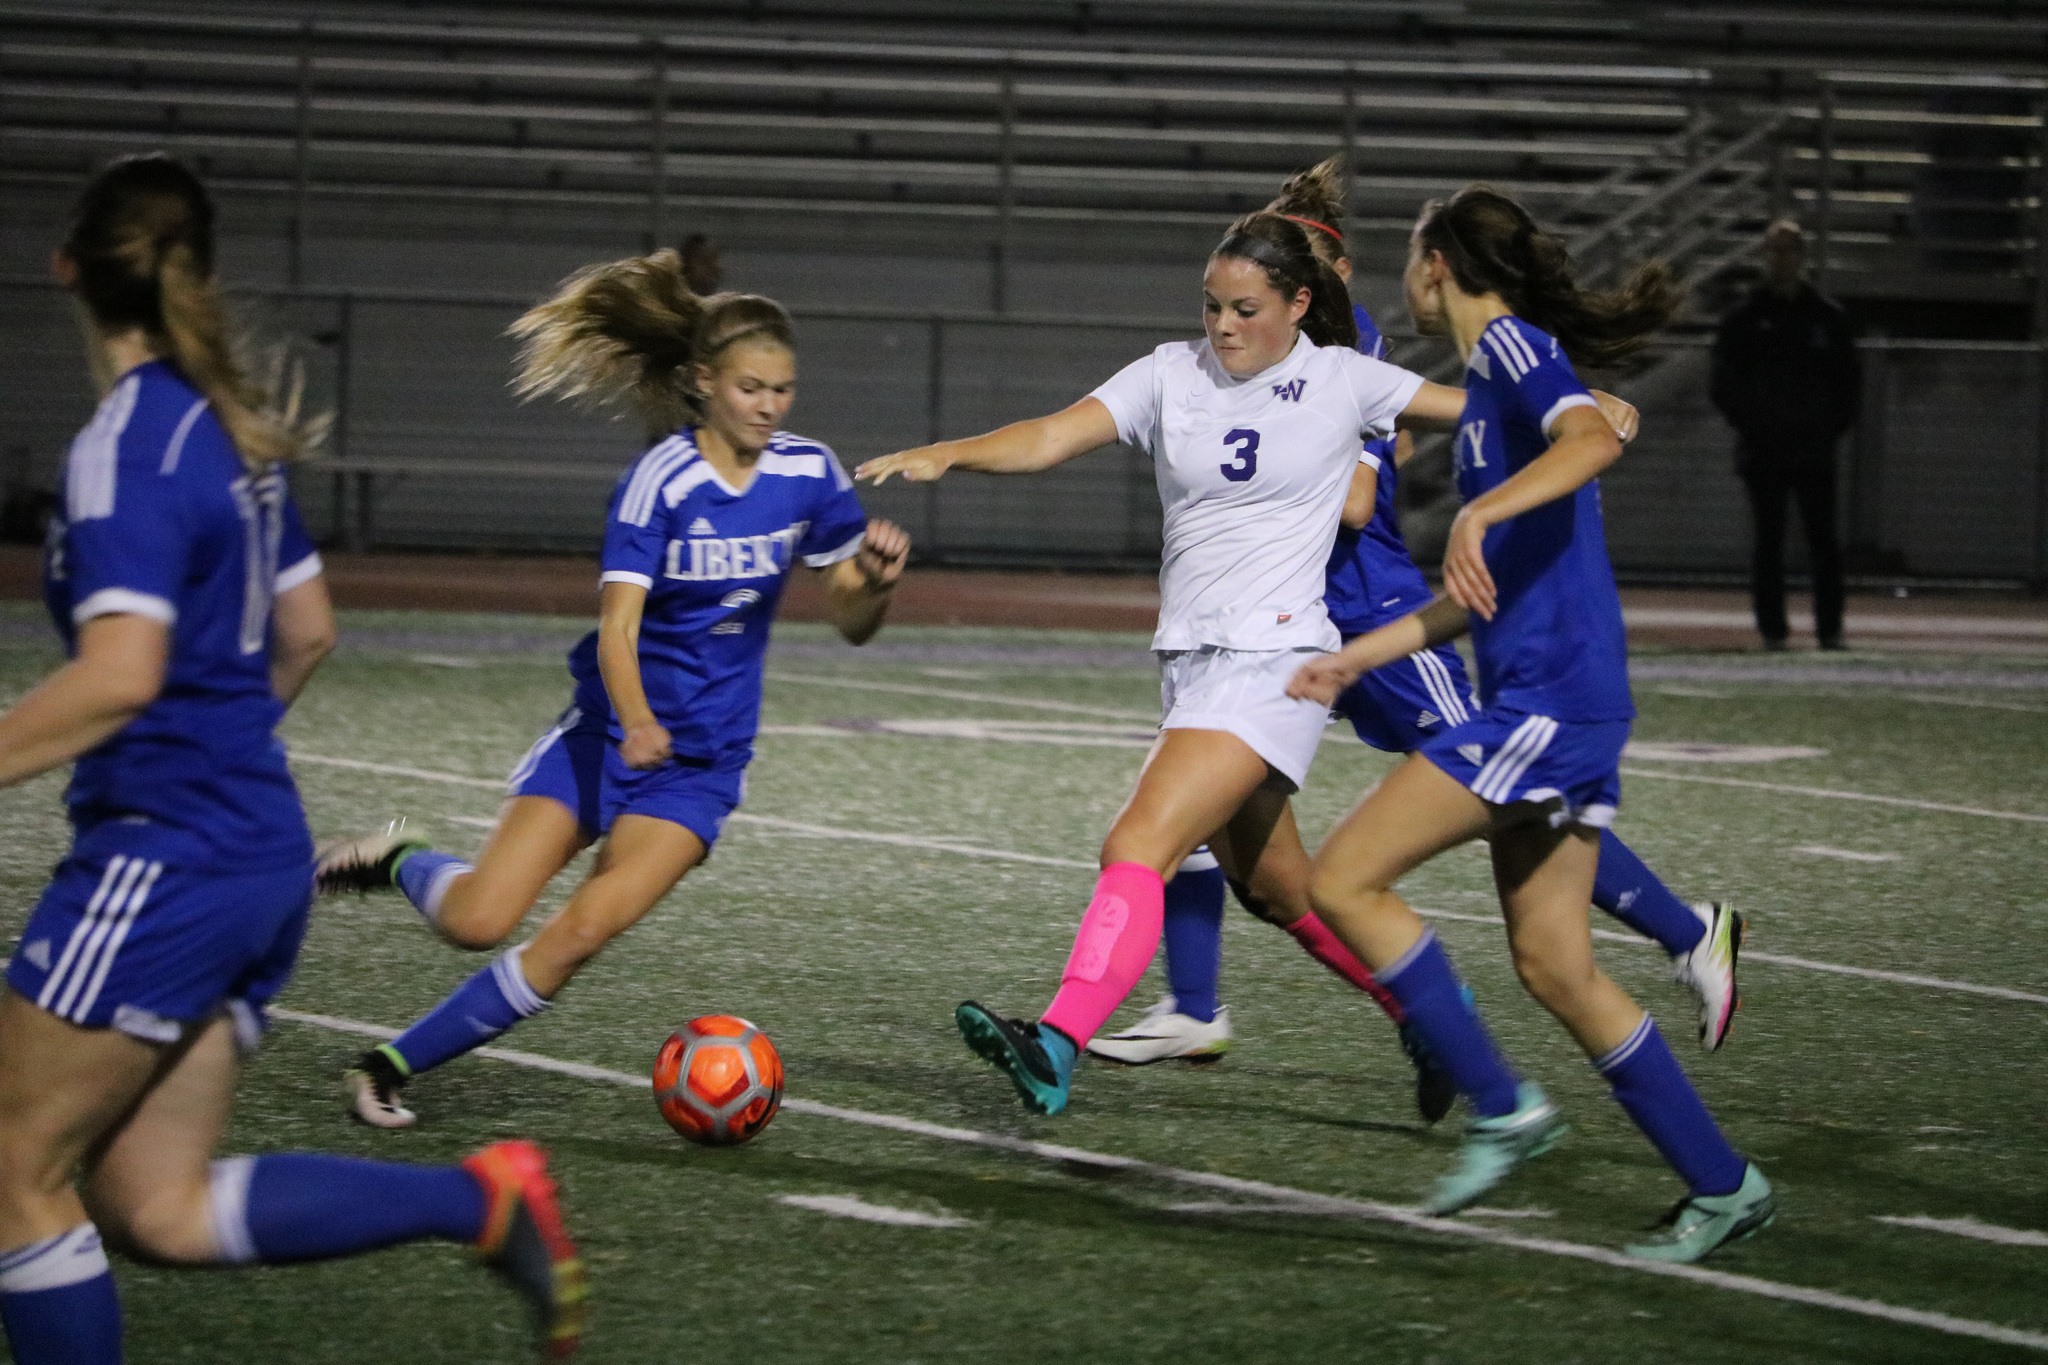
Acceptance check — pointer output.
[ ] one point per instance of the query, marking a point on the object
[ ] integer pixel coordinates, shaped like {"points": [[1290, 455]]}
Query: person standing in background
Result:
{"points": [[1785, 376]]}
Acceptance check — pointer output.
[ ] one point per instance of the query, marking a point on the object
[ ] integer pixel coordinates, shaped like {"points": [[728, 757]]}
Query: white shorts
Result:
{"points": [[1243, 692]]}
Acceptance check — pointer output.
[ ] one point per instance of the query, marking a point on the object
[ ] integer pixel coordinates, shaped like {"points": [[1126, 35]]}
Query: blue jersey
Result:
{"points": [[714, 560], [1372, 579], [161, 518], [1555, 645]]}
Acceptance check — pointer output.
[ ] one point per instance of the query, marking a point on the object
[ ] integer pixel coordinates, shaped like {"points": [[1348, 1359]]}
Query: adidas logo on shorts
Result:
{"points": [[1474, 754], [1427, 719]]}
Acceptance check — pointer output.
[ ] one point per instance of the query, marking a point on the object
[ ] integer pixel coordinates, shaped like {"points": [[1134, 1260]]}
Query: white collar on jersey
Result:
{"points": [[1303, 348]]}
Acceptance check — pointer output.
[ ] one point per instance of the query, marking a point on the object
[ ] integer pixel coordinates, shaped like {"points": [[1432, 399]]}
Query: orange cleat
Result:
{"points": [[525, 1242]]}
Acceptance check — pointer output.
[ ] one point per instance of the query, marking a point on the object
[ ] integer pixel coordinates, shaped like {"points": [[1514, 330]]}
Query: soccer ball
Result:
{"points": [[718, 1080]]}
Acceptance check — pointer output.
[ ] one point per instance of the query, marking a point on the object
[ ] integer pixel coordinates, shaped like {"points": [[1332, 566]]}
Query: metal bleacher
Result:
{"points": [[1908, 136]]}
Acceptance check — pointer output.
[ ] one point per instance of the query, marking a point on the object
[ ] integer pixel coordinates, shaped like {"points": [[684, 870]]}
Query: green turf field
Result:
{"points": [[1864, 1097]]}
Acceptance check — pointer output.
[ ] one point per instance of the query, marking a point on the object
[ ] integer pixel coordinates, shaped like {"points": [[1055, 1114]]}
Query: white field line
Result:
{"points": [[1970, 1227], [967, 850], [1974, 703], [1833, 794], [846, 1206], [1293, 1199], [1847, 855], [1937, 983]]}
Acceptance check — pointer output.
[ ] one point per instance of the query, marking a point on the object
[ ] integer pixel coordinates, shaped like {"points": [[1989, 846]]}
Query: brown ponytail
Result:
{"points": [[1281, 248], [1314, 200], [1493, 246], [142, 244], [632, 331]]}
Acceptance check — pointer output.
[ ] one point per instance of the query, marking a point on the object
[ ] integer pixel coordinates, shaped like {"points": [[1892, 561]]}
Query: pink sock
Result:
{"points": [[1325, 947], [1112, 949]]}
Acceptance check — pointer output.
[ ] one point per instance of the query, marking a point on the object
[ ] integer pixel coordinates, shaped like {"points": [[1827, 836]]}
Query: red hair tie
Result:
{"points": [[1319, 227]]}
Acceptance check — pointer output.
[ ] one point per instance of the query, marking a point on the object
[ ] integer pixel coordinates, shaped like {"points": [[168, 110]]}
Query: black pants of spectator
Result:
{"points": [[1773, 479]]}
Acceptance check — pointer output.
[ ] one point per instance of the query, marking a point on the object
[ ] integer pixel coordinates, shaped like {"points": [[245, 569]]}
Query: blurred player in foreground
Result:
{"points": [[651, 755], [193, 609], [1537, 771], [1372, 580]]}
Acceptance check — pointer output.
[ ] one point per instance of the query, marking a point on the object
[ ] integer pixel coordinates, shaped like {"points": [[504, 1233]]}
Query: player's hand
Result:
{"points": [[1321, 679], [883, 553], [1620, 415], [921, 465], [1466, 579], [646, 746]]}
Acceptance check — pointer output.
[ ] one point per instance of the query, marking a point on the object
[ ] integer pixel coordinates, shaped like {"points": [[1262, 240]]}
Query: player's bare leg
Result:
{"points": [[1545, 878], [641, 861], [534, 839]]}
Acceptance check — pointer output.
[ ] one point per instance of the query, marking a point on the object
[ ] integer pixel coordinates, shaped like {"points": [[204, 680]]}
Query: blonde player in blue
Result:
{"points": [[193, 610], [1537, 771], [703, 533]]}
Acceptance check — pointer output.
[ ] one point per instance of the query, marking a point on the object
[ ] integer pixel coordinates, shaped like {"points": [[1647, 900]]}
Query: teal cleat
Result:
{"points": [[1038, 1059], [1495, 1146], [1702, 1222]]}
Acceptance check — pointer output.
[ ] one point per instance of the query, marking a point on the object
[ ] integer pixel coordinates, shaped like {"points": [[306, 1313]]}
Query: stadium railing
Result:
{"points": [[429, 450]]}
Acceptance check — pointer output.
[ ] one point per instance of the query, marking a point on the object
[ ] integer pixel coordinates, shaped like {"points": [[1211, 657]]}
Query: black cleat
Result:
{"points": [[1434, 1091]]}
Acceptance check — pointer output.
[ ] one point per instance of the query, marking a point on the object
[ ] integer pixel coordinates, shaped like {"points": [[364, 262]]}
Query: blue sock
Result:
{"points": [[475, 1012], [1649, 1083], [1629, 891], [423, 875], [58, 1303], [308, 1206], [1439, 1007], [1194, 938]]}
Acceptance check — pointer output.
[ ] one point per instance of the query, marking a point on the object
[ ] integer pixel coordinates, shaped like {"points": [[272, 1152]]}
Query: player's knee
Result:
{"points": [[1339, 890], [1555, 979], [31, 1166], [474, 932], [167, 1223], [1143, 847]]}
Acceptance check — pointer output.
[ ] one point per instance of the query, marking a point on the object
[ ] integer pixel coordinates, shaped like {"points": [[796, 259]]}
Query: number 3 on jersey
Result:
{"points": [[1244, 460]]}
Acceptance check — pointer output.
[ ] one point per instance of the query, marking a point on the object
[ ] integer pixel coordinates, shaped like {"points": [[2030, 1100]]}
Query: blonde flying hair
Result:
{"points": [[631, 332], [141, 241]]}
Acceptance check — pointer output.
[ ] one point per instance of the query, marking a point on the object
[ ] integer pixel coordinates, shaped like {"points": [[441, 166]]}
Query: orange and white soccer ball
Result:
{"points": [[718, 1080]]}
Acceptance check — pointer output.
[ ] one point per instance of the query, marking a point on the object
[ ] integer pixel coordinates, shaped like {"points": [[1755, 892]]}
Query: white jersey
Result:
{"points": [[1252, 475]]}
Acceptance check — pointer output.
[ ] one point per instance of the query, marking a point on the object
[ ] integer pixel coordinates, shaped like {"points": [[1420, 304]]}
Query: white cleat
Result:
{"points": [[374, 1090], [1163, 1034], [1708, 970], [363, 863]]}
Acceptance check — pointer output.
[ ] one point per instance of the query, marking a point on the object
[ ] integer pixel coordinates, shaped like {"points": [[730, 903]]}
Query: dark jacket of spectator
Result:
{"points": [[1785, 374]]}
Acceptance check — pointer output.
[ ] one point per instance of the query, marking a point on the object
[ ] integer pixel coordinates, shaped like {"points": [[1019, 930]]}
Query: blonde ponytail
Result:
{"points": [[632, 332]]}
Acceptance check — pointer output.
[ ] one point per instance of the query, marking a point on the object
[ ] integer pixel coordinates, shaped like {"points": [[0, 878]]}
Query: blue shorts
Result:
{"points": [[1571, 767], [697, 796], [139, 941], [567, 765], [1400, 707]]}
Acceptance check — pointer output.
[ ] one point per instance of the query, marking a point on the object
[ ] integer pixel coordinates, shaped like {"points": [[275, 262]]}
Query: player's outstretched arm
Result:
{"points": [[1019, 448], [1582, 445], [1323, 677], [117, 671], [302, 633], [858, 589], [1435, 407], [646, 743]]}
